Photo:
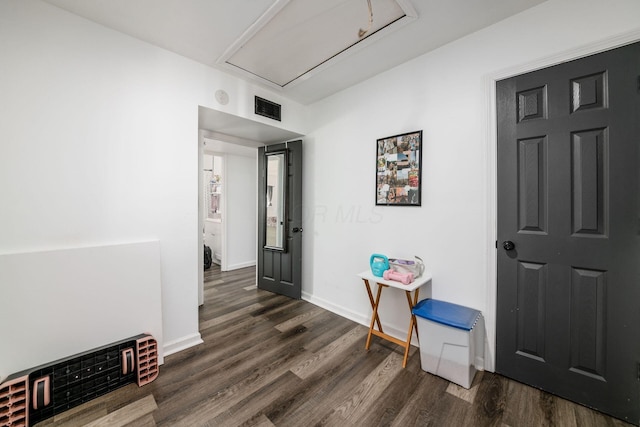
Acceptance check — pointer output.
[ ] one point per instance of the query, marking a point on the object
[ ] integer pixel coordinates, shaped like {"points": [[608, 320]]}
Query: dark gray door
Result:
{"points": [[280, 219], [568, 317]]}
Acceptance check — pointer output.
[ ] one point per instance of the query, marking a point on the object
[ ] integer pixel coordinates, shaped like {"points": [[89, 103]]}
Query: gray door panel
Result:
{"points": [[280, 271], [568, 199]]}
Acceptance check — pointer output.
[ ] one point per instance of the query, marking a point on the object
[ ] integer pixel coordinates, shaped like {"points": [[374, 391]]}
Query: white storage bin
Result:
{"points": [[447, 334]]}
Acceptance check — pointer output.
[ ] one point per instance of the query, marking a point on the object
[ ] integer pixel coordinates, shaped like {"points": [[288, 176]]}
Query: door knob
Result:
{"points": [[508, 245], [297, 229]]}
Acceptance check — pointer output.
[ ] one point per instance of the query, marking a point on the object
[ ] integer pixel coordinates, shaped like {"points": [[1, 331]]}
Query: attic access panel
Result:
{"points": [[295, 39]]}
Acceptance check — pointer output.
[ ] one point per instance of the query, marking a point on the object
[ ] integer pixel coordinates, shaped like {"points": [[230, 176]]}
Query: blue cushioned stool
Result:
{"points": [[448, 334]]}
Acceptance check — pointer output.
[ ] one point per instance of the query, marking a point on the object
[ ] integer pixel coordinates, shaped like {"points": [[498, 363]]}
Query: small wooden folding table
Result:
{"points": [[414, 287]]}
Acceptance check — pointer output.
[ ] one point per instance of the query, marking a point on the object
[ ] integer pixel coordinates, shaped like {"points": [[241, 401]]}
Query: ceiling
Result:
{"points": [[257, 39], [309, 35], [225, 127]]}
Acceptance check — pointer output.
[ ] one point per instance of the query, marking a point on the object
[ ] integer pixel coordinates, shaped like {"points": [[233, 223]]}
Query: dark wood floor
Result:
{"points": [[271, 361]]}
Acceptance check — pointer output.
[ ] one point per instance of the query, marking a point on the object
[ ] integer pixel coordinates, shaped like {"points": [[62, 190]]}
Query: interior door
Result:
{"points": [[280, 219], [568, 320]]}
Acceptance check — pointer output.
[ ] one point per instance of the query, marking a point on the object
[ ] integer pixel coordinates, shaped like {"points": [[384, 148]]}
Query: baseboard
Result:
{"points": [[182, 344], [240, 265], [363, 319]]}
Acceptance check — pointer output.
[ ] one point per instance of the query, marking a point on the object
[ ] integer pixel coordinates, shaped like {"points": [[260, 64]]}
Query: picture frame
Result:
{"points": [[399, 170]]}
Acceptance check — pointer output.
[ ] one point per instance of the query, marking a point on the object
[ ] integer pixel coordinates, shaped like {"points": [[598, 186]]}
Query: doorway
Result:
{"points": [[236, 137], [214, 201], [568, 201], [280, 219], [228, 202]]}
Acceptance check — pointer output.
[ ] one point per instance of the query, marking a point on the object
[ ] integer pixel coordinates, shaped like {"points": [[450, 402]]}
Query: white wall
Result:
{"points": [[241, 210], [65, 302], [447, 94], [99, 145]]}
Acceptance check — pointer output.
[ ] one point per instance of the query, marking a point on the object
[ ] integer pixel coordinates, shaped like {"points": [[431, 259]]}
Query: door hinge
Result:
{"points": [[638, 370], [496, 244]]}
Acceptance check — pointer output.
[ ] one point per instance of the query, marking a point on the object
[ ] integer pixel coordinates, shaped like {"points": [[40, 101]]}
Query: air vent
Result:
{"points": [[268, 109]]}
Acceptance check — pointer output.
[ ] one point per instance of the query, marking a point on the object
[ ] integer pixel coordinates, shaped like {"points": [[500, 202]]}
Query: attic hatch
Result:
{"points": [[295, 39]]}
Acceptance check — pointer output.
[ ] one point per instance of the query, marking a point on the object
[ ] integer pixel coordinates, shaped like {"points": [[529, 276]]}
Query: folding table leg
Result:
{"points": [[412, 323], [374, 317], [366, 283]]}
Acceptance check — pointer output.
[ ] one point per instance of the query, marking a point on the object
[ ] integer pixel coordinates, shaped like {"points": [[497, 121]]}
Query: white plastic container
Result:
{"points": [[407, 266], [448, 334]]}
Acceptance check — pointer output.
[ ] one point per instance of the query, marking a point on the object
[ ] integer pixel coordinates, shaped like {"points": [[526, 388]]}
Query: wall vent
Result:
{"points": [[268, 109]]}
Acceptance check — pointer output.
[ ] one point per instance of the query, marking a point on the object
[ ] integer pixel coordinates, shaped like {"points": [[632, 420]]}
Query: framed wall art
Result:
{"points": [[399, 170]]}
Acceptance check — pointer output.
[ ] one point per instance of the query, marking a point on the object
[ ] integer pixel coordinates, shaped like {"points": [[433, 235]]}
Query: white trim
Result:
{"points": [[201, 217], [491, 185], [260, 23], [183, 343], [489, 82], [395, 332], [224, 218], [241, 265], [337, 309]]}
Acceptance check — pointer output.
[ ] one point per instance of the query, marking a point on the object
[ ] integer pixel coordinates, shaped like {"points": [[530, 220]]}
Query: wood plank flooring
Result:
{"points": [[271, 361]]}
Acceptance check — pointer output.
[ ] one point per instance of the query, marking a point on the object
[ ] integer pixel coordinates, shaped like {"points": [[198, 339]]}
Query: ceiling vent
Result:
{"points": [[268, 109]]}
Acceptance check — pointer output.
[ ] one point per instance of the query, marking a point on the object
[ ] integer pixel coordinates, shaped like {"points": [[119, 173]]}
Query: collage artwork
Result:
{"points": [[398, 170]]}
